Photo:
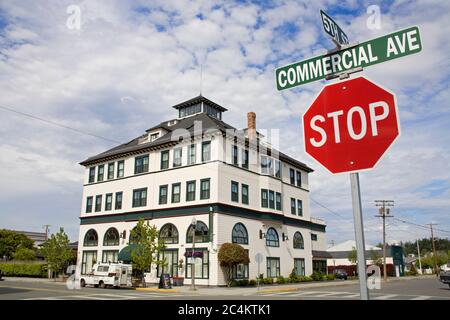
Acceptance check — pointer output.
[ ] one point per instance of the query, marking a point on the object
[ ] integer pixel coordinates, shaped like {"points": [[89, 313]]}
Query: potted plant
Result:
{"points": [[179, 281]]}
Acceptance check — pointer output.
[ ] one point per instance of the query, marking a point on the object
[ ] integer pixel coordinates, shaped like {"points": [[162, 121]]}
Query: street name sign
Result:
{"points": [[392, 46], [333, 29], [350, 125]]}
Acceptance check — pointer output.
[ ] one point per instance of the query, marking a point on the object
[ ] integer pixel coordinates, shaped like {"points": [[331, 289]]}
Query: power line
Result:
{"points": [[56, 124], [328, 209], [421, 226]]}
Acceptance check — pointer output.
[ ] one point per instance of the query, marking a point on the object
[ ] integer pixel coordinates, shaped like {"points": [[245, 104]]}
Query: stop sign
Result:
{"points": [[350, 125]]}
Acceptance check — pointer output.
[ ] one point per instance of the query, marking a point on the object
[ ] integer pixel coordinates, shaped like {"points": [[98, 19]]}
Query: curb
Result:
{"points": [[156, 290]]}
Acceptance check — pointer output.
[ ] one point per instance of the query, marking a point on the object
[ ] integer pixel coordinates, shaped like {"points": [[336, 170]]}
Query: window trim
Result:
{"points": [[116, 206], [165, 152], [106, 201], [264, 203], [277, 266], [160, 198], [98, 203], [275, 242], [110, 174], [120, 172], [300, 207], [145, 167], [176, 239], [175, 164], [245, 198], [101, 166], [203, 264], [202, 197], [179, 194], [204, 144], [191, 182], [191, 147], [293, 206], [271, 202], [234, 195], [140, 190], [92, 175], [235, 239], [278, 204], [298, 234]]}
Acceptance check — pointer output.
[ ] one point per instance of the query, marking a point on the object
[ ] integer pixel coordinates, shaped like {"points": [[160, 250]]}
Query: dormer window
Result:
{"points": [[198, 105], [154, 136], [187, 111]]}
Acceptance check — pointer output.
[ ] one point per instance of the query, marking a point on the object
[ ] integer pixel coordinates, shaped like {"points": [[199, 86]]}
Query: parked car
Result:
{"points": [[108, 275], [444, 277], [340, 274]]}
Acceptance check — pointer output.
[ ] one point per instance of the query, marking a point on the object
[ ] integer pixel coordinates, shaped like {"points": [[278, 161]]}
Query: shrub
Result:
{"points": [[330, 276], [268, 280], [281, 280], [243, 283], [24, 269], [304, 278], [24, 254], [252, 282], [317, 276], [233, 283]]}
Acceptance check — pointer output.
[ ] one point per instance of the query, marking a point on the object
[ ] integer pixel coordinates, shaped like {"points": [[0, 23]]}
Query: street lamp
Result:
{"points": [[194, 227]]}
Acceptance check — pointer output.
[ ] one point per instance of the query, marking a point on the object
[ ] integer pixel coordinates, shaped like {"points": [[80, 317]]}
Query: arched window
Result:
{"points": [[201, 233], [239, 234], [169, 234], [111, 237], [91, 238], [133, 238], [298, 241], [272, 238]]}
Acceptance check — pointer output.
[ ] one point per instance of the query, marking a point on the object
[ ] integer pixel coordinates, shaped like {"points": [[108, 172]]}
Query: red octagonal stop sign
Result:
{"points": [[350, 125]]}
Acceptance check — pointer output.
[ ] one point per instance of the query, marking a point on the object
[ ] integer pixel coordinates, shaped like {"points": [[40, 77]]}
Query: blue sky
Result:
{"points": [[131, 60]]}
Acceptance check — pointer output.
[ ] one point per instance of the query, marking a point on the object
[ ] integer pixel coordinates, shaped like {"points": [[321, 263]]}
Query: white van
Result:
{"points": [[108, 275]]}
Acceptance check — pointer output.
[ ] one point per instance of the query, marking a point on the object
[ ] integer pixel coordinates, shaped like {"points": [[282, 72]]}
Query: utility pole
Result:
{"points": [[418, 253], [434, 248], [384, 212]]}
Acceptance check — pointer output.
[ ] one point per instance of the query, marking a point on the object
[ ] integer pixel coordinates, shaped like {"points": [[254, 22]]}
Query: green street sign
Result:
{"points": [[392, 46]]}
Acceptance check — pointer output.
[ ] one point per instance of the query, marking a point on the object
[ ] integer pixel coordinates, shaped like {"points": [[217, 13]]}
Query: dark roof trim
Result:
{"points": [[201, 209], [196, 100]]}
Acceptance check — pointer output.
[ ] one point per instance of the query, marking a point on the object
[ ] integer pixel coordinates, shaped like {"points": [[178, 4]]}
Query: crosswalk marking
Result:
{"points": [[421, 298], [385, 297]]}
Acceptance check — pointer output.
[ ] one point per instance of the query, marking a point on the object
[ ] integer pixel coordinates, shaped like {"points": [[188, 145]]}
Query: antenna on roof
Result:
{"points": [[201, 78]]}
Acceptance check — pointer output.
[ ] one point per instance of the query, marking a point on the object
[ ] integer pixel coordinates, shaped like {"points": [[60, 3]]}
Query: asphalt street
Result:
{"points": [[416, 289]]}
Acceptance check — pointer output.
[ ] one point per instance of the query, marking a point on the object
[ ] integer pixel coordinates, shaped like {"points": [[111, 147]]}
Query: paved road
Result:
{"points": [[417, 289]]}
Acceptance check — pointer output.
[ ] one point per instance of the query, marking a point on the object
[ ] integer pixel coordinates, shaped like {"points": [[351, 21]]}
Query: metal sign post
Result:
{"points": [[359, 235]]}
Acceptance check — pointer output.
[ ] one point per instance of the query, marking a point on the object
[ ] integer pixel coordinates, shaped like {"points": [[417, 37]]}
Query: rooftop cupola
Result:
{"points": [[197, 105]]}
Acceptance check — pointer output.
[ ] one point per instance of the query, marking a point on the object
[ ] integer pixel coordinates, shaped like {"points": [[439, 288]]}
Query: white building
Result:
{"points": [[236, 186]]}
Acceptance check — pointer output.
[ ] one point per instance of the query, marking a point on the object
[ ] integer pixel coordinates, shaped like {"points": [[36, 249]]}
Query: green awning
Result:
{"points": [[125, 253]]}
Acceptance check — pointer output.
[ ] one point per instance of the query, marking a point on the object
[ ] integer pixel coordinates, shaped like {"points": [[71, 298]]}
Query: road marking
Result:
{"points": [[385, 297], [421, 298]]}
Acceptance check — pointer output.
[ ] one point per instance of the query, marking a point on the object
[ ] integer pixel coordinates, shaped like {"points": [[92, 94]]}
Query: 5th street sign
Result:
{"points": [[382, 49], [333, 29]]}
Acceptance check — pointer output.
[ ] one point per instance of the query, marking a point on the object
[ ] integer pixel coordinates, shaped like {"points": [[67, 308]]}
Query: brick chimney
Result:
{"points": [[251, 125]]}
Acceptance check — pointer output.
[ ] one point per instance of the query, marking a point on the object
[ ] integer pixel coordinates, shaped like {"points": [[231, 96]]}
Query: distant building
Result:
{"points": [[38, 237], [395, 260]]}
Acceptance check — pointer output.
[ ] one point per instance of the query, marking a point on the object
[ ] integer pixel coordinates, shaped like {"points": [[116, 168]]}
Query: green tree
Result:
{"points": [[231, 254], [24, 254], [56, 251], [146, 249], [11, 241], [376, 257], [353, 256]]}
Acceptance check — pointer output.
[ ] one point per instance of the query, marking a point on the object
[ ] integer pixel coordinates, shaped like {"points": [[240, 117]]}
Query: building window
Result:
{"points": [[292, 176], [100, 172], [299, 266], [111, 237], [277, 169], [264, 200], [141, 164], [244, 194], [88, 261], [108, 202], [313, 237], [298, 241], [119, 196], [273, 267], [204, 189], [206, 151], [170, 257], [299, 179], [120, 168], [169, 234], [89, 201], [201, 233], [163, 194], [239, 234], [110, 256], [177, 156], [92, 175], [98, 203], [164, 159], [293, 206], [320, 266], [272, 239], [234, 155], [190, 190], [187, 111], [201, 260], [278, 204], [110, 170], [300, 207], [264, 165], [245, 158], [240, 271], [91, 238], [154, 136], [271, 199], [234, 191], [140, 197], [192, 155], [176, 192]]}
